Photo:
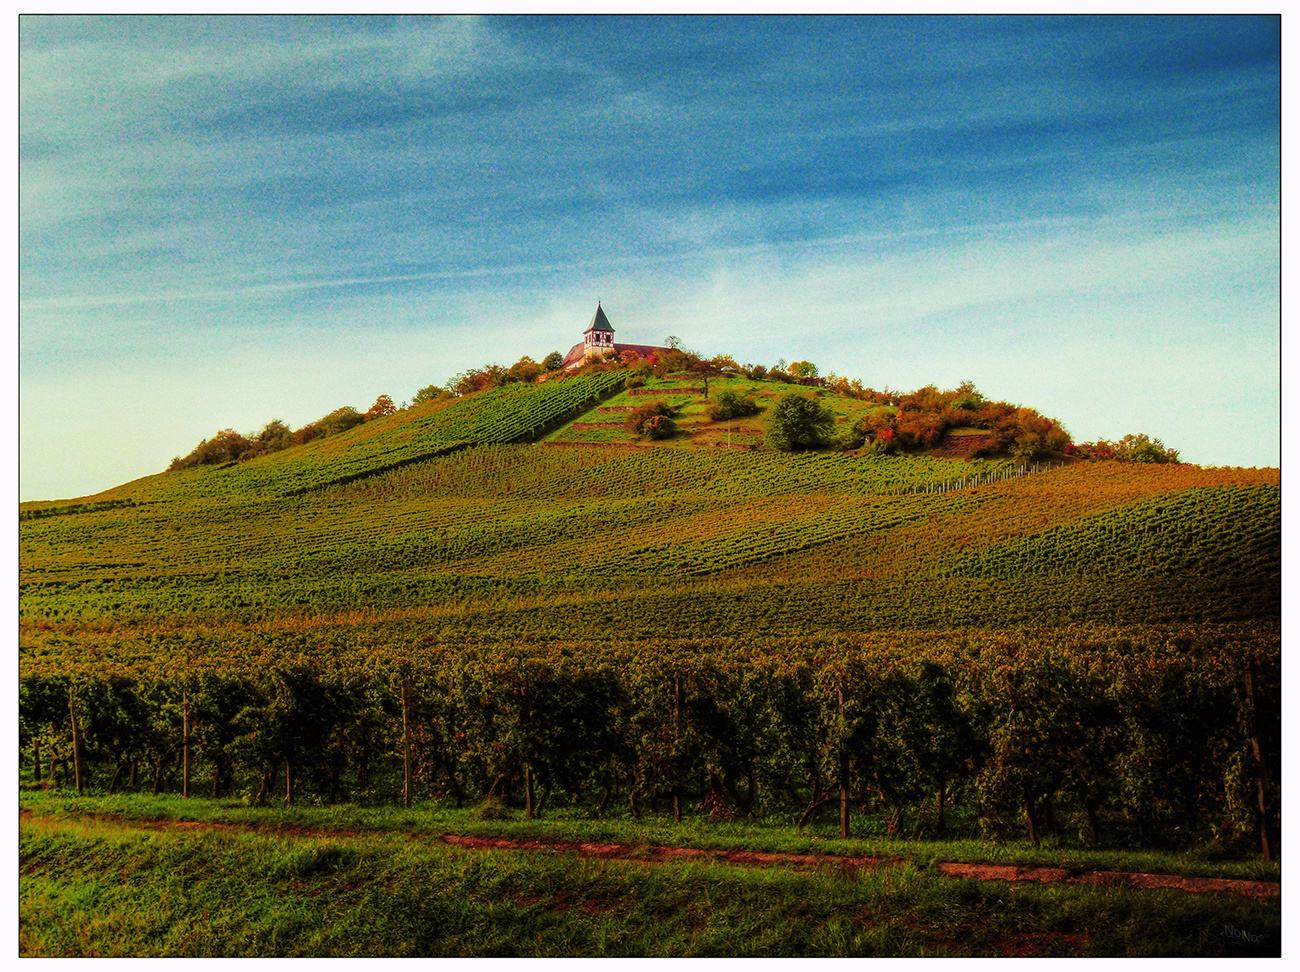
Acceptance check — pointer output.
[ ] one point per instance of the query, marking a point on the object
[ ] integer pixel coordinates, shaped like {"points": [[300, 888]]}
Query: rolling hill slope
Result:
{"points": [[433, 507]]}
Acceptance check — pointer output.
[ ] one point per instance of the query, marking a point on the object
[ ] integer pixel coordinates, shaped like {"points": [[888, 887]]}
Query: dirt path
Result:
{"points": [[654, 854]]}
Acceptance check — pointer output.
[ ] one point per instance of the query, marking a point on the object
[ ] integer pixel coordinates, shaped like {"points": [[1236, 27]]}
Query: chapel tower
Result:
{"points": [[599, 336]]}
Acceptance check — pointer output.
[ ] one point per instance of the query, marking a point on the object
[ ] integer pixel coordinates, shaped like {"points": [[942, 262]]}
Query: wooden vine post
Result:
{"points": [[844, 769], [76, 740], [406, 742], [1260, 769], [185, 746], [677, 737]]}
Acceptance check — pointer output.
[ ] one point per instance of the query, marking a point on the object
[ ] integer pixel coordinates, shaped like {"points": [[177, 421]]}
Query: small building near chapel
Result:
{"points": [[598, 341]]}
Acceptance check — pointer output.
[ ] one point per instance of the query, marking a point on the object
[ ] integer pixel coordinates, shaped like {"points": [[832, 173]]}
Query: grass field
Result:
{"points": [[337, 882]]}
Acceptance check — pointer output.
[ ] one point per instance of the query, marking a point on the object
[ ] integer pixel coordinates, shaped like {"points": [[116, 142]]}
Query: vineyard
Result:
{"points": [[436, 605]]}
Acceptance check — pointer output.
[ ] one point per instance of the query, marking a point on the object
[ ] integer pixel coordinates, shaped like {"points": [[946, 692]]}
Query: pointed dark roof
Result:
{"points": [[600, 322]]}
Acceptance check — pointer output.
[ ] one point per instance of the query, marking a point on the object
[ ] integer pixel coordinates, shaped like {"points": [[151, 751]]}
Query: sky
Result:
{"points": [[225, 220]]}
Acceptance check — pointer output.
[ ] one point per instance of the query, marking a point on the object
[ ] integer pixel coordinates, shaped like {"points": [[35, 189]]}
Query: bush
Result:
{"points": [[730, 405], [637, 421], [339, 420], [921, 430], [799, 422], [1131, 448], [226, 446], [430, 393], [660, 427], [1021, 432]]}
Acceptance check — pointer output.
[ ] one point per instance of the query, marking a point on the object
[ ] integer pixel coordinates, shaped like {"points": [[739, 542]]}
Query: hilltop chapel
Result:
{"points": [[598, 340]]}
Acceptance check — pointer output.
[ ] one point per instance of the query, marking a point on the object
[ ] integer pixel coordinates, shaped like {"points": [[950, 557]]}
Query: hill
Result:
{"points": [[560, 614], [436, 502]]}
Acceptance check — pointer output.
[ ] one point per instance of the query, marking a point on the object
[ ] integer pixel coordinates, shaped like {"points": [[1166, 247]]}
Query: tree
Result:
{"points": [[429, 393], [275, 435], [383, 406], [1139, 448], [339, 420], [553, 361], [801, 369], [673, 341], [705, 369], [524, 370], [799, 422]]}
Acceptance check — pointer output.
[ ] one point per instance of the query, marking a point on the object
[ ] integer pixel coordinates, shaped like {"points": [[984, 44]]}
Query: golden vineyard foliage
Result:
{"points": [[660, 627]]}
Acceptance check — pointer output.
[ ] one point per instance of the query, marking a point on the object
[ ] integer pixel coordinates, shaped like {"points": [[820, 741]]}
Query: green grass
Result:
{"points": [[104, 887], [433, 819]]}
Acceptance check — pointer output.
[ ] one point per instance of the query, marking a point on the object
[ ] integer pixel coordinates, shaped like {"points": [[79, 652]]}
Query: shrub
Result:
{"points": [[226, 446], [921, 430], [660, 427], [339, 420], [1022, 432], [885, 443], [430, 393], [799, 422], [850, 438], [1131, 448], [637, 420], [730, 405], [383, 406]]}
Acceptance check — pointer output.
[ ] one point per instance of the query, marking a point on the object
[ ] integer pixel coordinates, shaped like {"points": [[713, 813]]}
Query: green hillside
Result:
{"points": [[433, 510]]}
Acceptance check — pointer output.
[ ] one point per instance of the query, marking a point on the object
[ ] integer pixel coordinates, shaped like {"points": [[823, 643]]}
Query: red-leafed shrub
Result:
{"points": [[637, 421]]}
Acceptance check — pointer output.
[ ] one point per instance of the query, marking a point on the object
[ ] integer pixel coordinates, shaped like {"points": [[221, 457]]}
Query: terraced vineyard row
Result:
{"points": [[519, 471], [1216, 530], [501, 511], [511, 413]]}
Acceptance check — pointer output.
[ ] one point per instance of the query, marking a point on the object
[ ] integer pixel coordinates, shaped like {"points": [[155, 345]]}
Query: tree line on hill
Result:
{"points": [[920, 420], [230, 446], [903, 422]]}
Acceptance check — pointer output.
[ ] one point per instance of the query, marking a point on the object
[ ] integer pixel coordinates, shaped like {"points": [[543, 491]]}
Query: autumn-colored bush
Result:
{"points": [[383, 406], [637, 421], [1131, 448], [226, 446], [1021, 433], [660, 427]]}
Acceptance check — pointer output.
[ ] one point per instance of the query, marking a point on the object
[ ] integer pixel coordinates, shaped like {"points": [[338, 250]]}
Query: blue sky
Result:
{"points": [[227, 220]]}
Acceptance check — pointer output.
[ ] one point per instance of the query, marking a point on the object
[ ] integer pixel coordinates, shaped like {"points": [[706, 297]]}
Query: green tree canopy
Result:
{"points": [[799, 422]]}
